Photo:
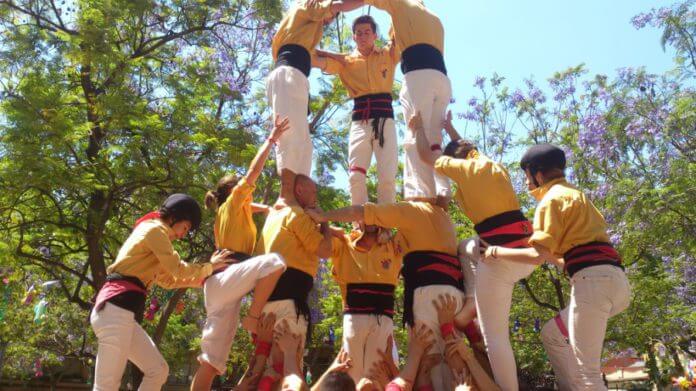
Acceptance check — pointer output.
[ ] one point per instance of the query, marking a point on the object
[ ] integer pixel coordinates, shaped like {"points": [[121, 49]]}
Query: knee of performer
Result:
{"points": [[357, 176], [158, 372], [276, 261], [550, 333]]}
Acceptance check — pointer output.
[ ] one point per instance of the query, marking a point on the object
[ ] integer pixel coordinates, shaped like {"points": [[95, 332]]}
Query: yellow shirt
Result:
{"points": [[148, 255], [424, 227], [363, 75], [302, 25], [380, 265], [234, 226], [483, 186], [290, 232], [413, 23], [565, 218]]}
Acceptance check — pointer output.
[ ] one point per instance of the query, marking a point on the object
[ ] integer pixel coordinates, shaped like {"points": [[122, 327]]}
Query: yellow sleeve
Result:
{"points": [[318, 12], [381, 4], [333, 67], [450, 167], [241, 193], [158, 242], [337, 246], [548, 225], [399, 215], [306, 231], [393, 48]]}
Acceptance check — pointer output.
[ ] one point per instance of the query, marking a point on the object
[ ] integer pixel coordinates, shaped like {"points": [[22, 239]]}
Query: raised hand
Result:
{"points": [[421, 340], [447, 123], [342, 363], [388, 359], [280, 126], [265, 328], [446, 307], [415, 123]]}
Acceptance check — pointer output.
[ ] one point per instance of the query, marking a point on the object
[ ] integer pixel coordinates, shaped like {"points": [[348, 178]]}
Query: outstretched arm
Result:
{"points": [[343, 215], [279, 127], [449, 127], [415, 123], [535, 255], [346, 5]]}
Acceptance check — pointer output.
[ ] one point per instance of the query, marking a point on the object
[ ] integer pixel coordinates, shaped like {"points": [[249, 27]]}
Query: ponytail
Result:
{"points": [[217, 197]]}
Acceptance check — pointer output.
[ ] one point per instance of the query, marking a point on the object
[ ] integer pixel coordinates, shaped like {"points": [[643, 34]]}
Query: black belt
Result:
{"points": [[378, 108], [372, 299], [508, 229], [591, 254], [422, 56], [426, 268], [295, 56], [131, 301], [295, 285]]}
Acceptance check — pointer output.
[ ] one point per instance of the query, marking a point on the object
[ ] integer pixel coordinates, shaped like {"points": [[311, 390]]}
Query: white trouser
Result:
{"points": [[555, 340], [424, 312], [468, 256], [223, 295], [495, 282], [122, 339], [285, 310], [361, 146], [429, 92], [288, 94], [597, 293], [363, 335]]}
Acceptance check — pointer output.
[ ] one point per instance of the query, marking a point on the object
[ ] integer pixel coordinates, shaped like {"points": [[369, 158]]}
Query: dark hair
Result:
{"points": [[365, 19], [338, 381], [217, 197], [543, 158], [181, 207], [459, 148]]}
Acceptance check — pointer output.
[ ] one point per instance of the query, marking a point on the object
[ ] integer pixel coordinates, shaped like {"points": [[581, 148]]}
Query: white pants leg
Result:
{"points": [[288, 94], [468, 253], [424, 312], [223, 294], [559, 351], [362, 144], [426, 91], [121, 339], [598, 293], [493, 300], [359, 158], [387, 163], [363, 335]]}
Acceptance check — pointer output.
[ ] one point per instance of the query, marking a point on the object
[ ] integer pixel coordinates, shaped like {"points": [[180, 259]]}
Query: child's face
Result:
{"points": [[181, 228], [529, 180]]}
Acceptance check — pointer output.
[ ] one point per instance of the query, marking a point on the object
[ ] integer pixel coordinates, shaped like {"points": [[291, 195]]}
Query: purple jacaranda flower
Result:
{"points": [[516, 98], [473, 101], [641, 20], [479, 81]]}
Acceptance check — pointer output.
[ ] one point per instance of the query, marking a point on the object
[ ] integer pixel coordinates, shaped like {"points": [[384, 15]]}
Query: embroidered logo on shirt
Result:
{"points": [[386, 263]]}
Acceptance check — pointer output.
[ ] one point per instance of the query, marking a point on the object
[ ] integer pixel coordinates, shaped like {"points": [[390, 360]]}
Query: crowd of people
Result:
{"points": [[457, 293]]}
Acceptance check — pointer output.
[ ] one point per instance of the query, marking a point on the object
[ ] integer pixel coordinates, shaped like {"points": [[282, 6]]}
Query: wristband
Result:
{"points": [[272, 141], [472, 333], [266, 384], [278, 367], [393, 387], [263, 349], [446, 329]]}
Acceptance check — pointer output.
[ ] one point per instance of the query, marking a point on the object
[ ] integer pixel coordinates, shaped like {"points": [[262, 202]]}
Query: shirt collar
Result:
{"points": [[541, 191]]}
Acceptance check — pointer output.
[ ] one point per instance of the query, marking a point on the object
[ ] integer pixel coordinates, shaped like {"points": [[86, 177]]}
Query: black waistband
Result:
{"points": [[516, 229], [295, 56], [294, 285], [372, 106], [373, 299], [426, 268], [422, 56], [240, 256], [131, 301], [591, 254]]}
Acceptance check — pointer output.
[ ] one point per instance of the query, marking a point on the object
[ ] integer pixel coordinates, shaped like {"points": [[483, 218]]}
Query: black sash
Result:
{"points": [[508, 229], [295, 56], [372, 299], [591, 254], [426, 268], [422, 56], [132, 301]]}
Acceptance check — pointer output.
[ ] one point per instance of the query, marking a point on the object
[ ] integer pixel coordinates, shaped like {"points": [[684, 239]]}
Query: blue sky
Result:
{"points": [[535, 38]]}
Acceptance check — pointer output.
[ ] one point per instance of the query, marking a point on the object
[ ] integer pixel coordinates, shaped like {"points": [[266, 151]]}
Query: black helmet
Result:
{"points": [[543, 157], [182, 207]]}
